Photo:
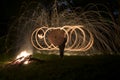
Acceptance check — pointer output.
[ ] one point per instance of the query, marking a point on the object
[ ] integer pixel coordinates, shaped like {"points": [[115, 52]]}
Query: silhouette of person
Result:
{"points": [[61, 47]]}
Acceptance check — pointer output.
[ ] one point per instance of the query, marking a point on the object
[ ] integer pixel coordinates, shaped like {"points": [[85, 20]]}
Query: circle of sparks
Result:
{"points": [[78, 38]]}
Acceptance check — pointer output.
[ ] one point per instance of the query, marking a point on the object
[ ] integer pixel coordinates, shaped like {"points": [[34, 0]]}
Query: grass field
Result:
{"points": [[98, 67]]}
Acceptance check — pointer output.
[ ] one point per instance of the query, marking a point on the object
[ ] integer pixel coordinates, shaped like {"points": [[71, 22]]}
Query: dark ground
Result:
{"points": [[99, 67]]}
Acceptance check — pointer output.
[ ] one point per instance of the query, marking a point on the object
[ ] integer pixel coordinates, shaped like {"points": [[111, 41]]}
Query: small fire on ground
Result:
{"points": [[22, 58]]}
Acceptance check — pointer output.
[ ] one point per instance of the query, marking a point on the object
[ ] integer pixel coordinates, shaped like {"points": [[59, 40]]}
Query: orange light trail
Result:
{"points": [[78, 38]]}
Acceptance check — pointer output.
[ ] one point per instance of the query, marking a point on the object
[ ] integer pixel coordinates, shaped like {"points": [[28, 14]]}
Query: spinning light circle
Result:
{"points": [[78, 38]]}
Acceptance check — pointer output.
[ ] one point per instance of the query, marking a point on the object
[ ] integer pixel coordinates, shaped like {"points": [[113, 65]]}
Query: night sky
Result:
{"points": [[10, 8]]}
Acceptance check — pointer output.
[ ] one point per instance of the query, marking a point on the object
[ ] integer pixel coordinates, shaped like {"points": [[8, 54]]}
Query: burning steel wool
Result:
{"points": [[78, 38], [86, 29], [23, 58]]}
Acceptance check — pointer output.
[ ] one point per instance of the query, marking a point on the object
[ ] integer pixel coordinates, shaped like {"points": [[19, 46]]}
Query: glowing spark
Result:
{"points": [[78, 38], [23, 57], [40, 36], [91, 28], [26, 62], [23, 54]]}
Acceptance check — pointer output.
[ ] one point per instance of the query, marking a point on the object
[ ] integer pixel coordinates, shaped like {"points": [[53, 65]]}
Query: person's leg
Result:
{"points": [[61, 50]]}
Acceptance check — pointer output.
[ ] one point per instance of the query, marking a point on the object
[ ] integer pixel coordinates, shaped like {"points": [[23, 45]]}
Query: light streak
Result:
{"points": [[22, 58], [78, 38]]}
